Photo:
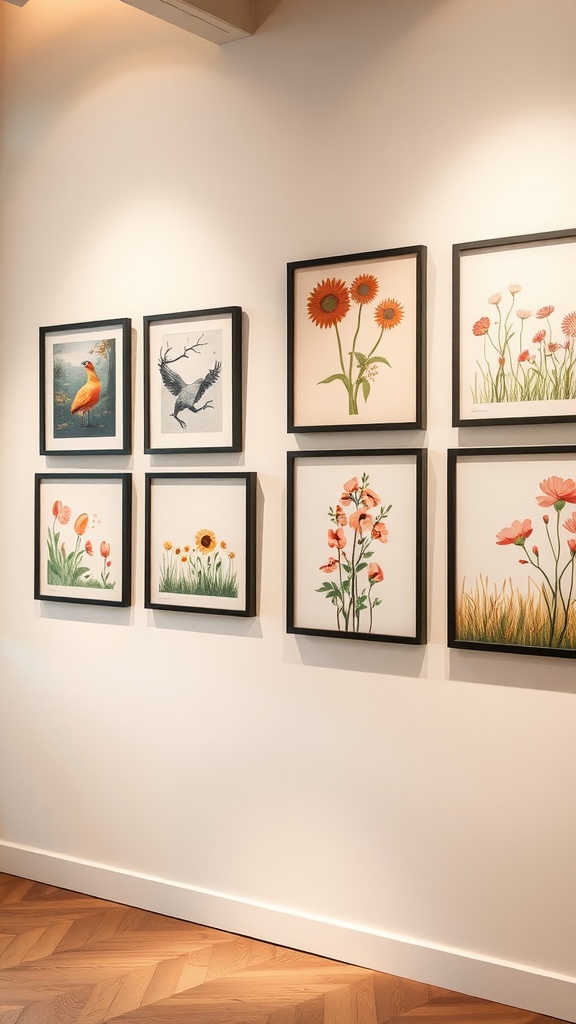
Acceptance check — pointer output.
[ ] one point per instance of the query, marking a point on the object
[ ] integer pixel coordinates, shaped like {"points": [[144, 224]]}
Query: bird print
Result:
{"points": [[88, 395], [187, 395]]}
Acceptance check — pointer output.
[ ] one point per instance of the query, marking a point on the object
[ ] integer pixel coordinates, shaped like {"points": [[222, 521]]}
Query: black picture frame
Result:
{"points": [[85, 388], [200, 542], [514, 330], [173, 422], [82, 538], [363, 514], [512, 550], [376, 387]]}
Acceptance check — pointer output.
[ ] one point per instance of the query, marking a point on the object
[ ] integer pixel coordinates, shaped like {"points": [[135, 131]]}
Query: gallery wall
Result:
{"points": [[407, 808]]}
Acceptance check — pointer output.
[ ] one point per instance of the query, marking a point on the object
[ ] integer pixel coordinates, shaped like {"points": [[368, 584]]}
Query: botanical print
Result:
{"points": [[528, 355], [78, 551], [190, 368], [356, 342], [204, 568], [357, 356], [526, 596], [84, 388], [357, 529]]}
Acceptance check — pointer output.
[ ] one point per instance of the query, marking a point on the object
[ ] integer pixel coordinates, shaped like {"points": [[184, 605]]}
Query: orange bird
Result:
{"points": [[89, 394]]}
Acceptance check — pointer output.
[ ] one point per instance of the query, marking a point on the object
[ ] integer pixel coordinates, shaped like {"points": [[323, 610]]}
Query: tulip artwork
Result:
{"points": [[67, 568], [356, 533]]}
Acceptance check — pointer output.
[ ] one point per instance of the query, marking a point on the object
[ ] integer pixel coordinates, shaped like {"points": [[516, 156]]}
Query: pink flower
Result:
{"points": [[380, 532], [514, 288], [515, 534], [482, 326], [349, 487], [375, 573], [336, 538], [524, 356], [535, 550], [331, 565], [495, 299], [88, 548], [523, 314], [538, 337], [61, 512], [570, 524], [544, 312], [369, 498], [361, 521], [569, 325], [553, 346], [341, 517], [104, 549], [556, 489], [572, 545]]}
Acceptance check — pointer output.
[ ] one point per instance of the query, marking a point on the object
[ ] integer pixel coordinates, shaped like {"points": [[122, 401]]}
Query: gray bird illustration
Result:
{"points": [[187, 395]]}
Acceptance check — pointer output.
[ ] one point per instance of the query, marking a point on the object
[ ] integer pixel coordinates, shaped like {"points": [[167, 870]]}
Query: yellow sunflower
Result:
{"points": [[388, 314], [205, 541], [364, 288], [328, 303]]}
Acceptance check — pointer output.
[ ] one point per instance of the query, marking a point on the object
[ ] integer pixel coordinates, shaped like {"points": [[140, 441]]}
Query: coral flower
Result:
{"points": [[81, 524], [61, 512], [514, 288], [336, 538], [388, 314], [205, 541], [524, 356], [569, 325], [555, 490], [361, 521], [104, 549], [523, 314], [570, 524], [515, 534], [553, 346], [482, 326], [539, 337], [364, 288], [341, 517], [380, 532], [348, 489], [88, 548], [572, 545], [328, 303], [331, 565], [495, 299], [375, 574], [369, 498], [544, 312]]}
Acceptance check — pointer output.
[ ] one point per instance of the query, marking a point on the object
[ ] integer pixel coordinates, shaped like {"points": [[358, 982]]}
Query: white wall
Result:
{"points": [[411, 809]]}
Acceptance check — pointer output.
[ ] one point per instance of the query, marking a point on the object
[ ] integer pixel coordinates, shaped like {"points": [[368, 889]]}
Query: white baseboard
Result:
{"points": [[460, 970]]}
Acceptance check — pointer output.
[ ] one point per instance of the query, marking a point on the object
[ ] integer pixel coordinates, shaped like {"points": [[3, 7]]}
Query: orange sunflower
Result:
{"points": [[328, 303], [388, 314], [364, 288], [205, 541]]}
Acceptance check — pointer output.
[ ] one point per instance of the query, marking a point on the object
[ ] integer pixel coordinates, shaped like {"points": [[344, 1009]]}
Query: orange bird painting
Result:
{"points": [[89, 394]]}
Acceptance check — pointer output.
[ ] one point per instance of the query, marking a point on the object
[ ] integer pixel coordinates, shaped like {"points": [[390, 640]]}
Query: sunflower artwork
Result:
{"points": [[337, 306], [205, 568]]}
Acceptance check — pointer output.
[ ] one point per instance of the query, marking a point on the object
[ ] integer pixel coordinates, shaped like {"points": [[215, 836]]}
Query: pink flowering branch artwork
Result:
{"points": [[356, 532], [520, 361], [544, 613]]}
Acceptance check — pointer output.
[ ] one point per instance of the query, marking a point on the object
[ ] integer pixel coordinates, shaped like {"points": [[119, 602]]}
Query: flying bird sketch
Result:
{"points": [[88, 395], [187, 395]]}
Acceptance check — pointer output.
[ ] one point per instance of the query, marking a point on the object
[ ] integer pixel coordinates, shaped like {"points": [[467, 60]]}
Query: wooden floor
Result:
{"points": [[72, 959]]}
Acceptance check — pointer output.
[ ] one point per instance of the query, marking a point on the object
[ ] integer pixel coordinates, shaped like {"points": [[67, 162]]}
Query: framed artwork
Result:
{"points": [[357, 544], [82, 538], [201, 542], [514, 330], [85, 393], [512, 550], [193, 381], [356, 341]]}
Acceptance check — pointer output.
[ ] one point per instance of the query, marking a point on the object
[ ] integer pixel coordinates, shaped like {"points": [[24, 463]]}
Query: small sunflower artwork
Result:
{"points": [[200, 542], [356, 341]]}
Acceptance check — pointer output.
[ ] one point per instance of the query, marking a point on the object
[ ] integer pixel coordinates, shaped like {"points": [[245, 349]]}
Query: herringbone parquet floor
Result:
{"points": [[66, 958]]}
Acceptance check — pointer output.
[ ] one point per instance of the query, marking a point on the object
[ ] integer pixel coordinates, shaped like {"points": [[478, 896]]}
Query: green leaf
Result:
{"points": [[365, 389], [360, 359], [378, 359], [361, 566], [336, 376]]}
